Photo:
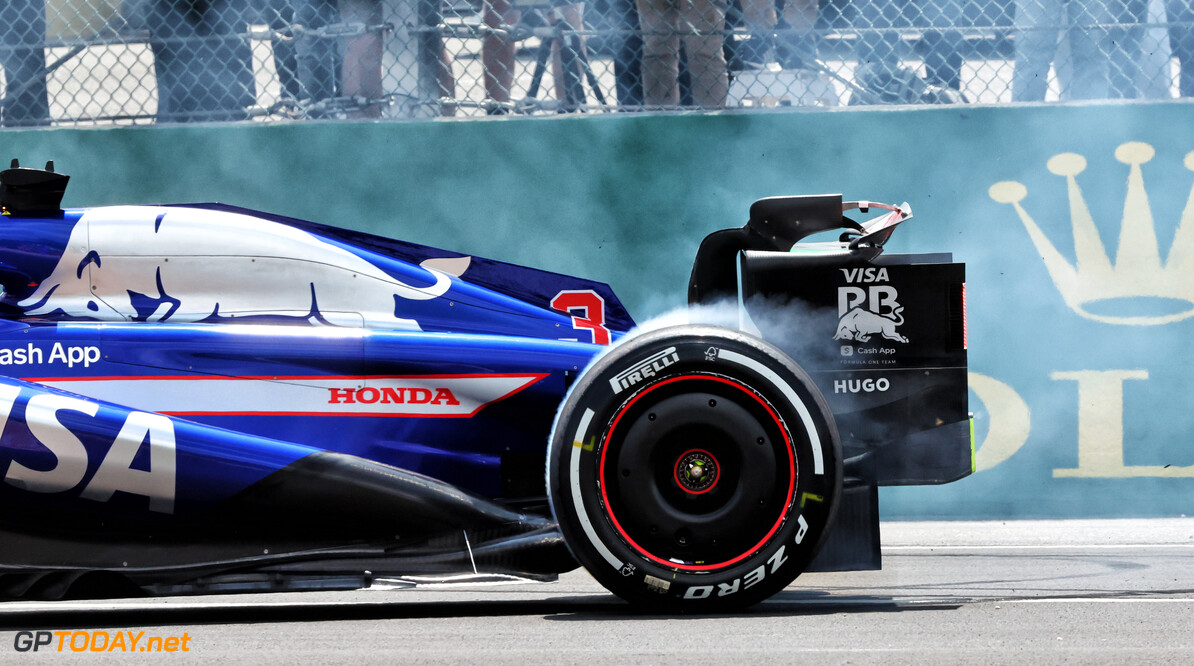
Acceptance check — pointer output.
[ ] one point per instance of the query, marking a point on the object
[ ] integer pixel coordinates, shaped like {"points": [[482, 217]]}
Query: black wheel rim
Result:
{"points": [[697, 472]]}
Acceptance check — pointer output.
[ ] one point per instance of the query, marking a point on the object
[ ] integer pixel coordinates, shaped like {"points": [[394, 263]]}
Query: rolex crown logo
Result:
{"points": [[1093, 286]]}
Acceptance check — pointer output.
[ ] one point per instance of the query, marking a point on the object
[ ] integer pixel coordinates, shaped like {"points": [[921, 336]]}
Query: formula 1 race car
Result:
{"points": [[204, 399]]}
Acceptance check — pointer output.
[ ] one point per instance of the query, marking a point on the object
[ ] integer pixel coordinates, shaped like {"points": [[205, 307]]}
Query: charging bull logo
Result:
{"points": [[865, 310], [860, 324], [134, 263]]}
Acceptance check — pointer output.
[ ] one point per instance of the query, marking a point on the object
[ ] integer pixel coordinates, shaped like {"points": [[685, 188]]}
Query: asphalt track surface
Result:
{"points": [[1049, 592]]}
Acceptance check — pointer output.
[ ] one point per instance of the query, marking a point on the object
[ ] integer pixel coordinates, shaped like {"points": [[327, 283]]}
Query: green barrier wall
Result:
{"points": [[1081, 400]]}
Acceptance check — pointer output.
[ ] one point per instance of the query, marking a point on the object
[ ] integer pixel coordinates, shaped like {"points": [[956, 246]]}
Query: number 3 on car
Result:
{"points": [[587, 310]]}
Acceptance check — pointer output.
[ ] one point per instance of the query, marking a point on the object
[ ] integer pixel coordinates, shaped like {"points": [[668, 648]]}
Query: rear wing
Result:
{"points": [[882, 335]]}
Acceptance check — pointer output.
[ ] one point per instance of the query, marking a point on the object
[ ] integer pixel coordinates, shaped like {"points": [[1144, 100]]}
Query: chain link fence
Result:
{"points": [[86, 62]]}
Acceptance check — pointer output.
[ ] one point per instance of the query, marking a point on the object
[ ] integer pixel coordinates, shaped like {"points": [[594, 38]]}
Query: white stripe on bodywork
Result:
{"points": [[341, 396], [577, 500], [769, 374]]}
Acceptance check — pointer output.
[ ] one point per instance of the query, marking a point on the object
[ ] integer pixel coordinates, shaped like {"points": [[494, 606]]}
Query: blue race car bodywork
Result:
{"points": [[204, 398]]}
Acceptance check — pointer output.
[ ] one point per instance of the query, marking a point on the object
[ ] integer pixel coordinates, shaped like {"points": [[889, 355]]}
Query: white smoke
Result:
{"points": [[723, 312], [798, 329]]}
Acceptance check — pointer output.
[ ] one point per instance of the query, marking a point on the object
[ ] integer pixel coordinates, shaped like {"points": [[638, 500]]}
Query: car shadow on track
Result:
{"points": [[573, 608], [783, 604]]}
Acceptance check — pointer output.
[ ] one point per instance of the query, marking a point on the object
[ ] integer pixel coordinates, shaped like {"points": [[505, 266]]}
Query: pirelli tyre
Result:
{"points": [[694, 468]]}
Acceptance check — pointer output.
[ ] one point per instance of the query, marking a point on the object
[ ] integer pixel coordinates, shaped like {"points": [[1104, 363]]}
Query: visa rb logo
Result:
{"points": [[68, 456], [868, 310]]}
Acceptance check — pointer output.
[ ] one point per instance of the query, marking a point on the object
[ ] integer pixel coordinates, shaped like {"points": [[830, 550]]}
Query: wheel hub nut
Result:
{"points": [[696, 471]]}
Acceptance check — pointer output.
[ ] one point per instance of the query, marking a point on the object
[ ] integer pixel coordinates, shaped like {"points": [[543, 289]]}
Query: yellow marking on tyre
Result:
{"points": [[810, 496]]}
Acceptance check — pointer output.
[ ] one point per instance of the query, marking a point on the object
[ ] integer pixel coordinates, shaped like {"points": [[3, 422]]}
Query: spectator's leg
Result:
{"points": [[224, 61], [684, 77], [26, 99], [942, 42], [497, 51], [362, 56], [172, 37], [572, 16], [1038, 26], [799, 44], [1155, 81], [318, 58], [760, 18], [759, 15], [1181, 42], [202, 59], [1090, 49], [447, 80], [1124, 44], [943, 59], [704, 21], [661, 52], [628, 56]]}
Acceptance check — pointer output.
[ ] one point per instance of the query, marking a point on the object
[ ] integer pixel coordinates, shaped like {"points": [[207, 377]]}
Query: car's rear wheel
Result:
{"points": [[694, 468]]}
